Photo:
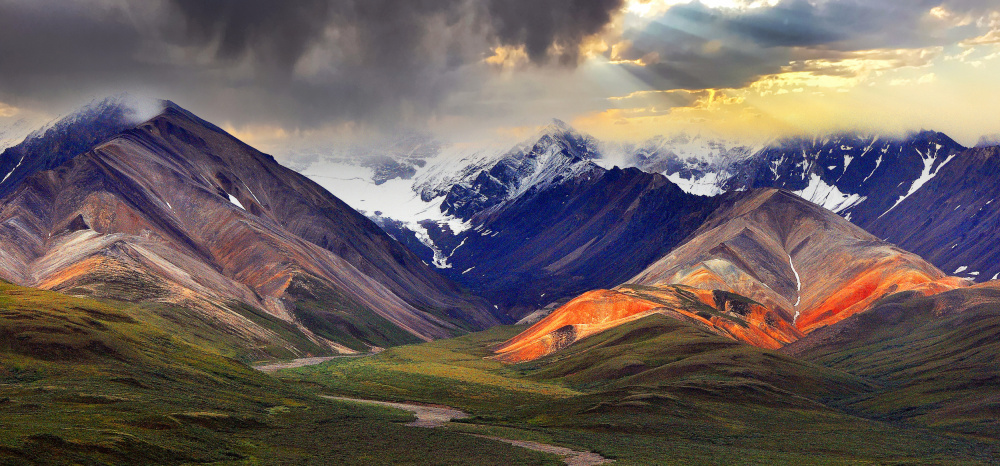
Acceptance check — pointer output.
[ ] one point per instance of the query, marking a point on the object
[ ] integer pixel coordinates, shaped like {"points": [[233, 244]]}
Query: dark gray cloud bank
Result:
{"points": [[310, 62], [301, 60]]}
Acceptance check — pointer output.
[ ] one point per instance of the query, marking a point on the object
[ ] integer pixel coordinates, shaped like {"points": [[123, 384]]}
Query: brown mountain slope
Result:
{"points": [[178, 211], [765, 268]]}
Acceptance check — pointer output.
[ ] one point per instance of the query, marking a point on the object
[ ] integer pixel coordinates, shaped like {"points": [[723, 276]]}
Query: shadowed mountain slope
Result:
{"points": [[954, 220], [594, 230], [176, 210], [857, 176], [538, 223]]}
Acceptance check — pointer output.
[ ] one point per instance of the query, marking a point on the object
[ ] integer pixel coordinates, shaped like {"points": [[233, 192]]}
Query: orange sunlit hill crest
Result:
{"points": [[737, 277]]}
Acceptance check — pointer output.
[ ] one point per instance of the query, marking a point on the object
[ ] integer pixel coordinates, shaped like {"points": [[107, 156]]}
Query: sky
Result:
{"points": [[283, 75]]}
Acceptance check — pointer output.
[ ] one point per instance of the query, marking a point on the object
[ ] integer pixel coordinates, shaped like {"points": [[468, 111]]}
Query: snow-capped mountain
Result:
{"points": [[860, 177], [13, 133], [488, 178], [699, 164], [953, 220]]}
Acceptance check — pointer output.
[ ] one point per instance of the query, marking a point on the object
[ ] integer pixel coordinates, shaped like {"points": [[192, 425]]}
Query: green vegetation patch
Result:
{"points": [[335, 316], [653, 391], [91, 382]]}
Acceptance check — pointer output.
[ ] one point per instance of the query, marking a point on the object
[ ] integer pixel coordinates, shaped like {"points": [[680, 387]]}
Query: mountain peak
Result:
{"points": [[988, 140], [557, 125], [73, 134]]}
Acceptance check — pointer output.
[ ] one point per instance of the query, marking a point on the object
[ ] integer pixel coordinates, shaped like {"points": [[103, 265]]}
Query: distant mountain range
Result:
{"points": [[527, 227], [503, 205], [669, 294]]}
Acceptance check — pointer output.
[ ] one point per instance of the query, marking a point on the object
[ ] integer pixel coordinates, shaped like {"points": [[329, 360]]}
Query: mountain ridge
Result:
{"points": [[171, 198], [736, 275]]}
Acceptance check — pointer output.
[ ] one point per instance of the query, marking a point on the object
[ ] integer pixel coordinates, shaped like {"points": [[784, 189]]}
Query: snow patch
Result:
{"points": [[13, 169], [798, 289], [707, 185], [236, 202], [440, 260], [961, 269], [925, 176], [828, 196], [252, 194]]}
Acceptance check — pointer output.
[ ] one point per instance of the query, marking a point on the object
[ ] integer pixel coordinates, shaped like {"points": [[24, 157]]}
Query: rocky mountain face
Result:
{"points": [[698, 164], [53, 145], [766, 267], [590, 231], [859, 177], [174, 210], [925, 192], [954, 219], [498, 202], [540, 223], [487, 180], [534, 225]]}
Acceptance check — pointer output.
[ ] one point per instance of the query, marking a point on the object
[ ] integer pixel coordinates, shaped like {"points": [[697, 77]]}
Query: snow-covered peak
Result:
{"points": [[699, 163], [489, 176], [13, 133]]}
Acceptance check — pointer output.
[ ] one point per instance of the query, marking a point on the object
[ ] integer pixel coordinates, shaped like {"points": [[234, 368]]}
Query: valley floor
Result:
{"points": [[696, 414], [437, 416]]}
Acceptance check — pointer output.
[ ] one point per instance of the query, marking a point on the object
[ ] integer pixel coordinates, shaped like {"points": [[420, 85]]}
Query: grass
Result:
{"points": [[933, 359], [335, 316], [100, 382], [652, 391], [93, 382], [453, 371]]}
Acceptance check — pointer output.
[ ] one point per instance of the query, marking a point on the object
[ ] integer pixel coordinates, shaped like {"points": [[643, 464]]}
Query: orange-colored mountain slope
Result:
{"points": [[765, 268]]}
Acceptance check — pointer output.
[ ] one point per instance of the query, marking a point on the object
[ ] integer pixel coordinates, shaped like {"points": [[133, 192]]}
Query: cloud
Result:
{"points": [[313, 64], [7, 110], [696, 46], [304, 62]]}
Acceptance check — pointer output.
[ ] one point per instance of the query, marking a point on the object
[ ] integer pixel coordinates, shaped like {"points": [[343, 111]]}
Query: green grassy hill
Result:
{"points": [[88, 382], [933, 360]]}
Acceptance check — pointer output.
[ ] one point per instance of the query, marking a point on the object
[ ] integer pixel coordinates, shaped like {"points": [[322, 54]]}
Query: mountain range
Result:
{"points": [[867, 179], [687, 287]]}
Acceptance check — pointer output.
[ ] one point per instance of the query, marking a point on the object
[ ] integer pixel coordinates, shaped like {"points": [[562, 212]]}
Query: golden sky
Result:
{"points": [[949, 85]]}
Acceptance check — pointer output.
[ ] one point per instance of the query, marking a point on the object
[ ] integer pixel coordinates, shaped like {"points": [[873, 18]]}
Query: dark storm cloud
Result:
{"points": [[279, 31], [538, 24], [302, 61], [389, 27]]}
